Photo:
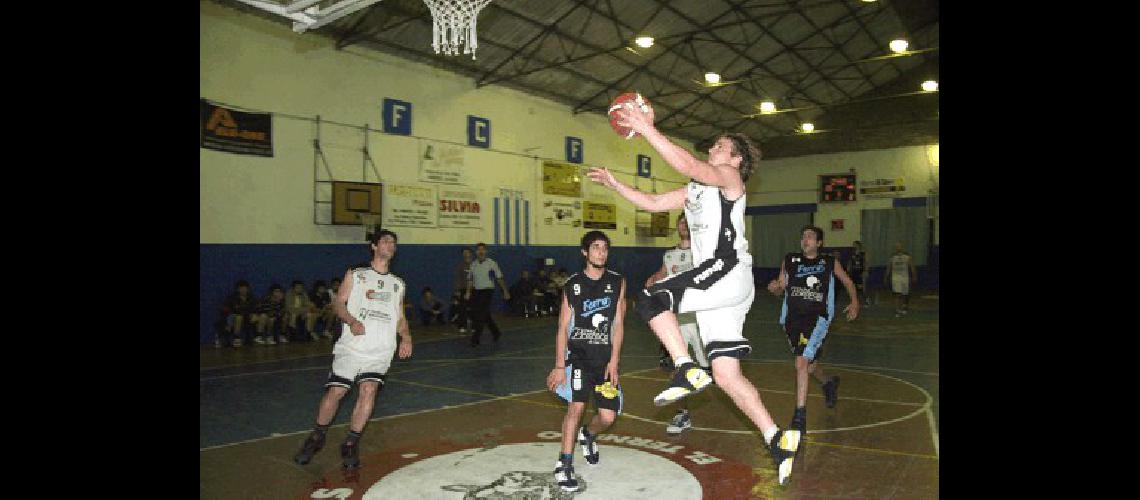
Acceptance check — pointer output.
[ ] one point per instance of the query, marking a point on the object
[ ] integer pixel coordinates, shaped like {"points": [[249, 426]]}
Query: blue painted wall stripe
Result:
{"points": [[919, 201], [518, 222], [527, 211], [507, 222], [496, 221], [790, 208]]}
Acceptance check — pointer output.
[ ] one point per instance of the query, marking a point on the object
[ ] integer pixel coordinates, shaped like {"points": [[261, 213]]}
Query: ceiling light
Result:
{"points": [[930, 85], [807, 128], [712, 78], [767, 107], [644, 41], [899, 45], [868, 1]]}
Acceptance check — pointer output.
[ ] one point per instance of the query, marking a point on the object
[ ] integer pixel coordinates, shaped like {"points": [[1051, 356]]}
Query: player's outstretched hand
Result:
{"points": [[775, 288], [852, 310], [635, 119], [406, 349], [612, 373], [602, 176], [556, 378]]}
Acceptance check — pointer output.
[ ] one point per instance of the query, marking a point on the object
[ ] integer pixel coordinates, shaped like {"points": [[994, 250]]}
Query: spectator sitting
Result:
{"points": [[322, 303], [298, 306], [522, 296], [269, 312], [431, 308], [237, 309]]}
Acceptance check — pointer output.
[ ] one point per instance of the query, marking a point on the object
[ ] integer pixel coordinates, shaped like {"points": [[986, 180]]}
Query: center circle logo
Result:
{"points": [[526, 470]]}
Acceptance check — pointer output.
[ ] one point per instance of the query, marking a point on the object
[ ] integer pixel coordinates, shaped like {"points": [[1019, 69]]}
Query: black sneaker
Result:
{"points": [[688, 379], [589, 446], [312, 445], [831, 391], [349, 454], [564, 476], [799, 420], [681, 421], [783, 448]]}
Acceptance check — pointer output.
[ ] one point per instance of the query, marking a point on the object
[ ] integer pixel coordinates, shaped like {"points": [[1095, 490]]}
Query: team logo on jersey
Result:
{"points": [[609, 289], [598, 320], [591, 306], [795, 259], [380, 284], [813, 282]]}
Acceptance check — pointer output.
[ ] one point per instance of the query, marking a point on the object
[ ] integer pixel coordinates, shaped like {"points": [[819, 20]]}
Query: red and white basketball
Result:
{"points": [[631, 100]]}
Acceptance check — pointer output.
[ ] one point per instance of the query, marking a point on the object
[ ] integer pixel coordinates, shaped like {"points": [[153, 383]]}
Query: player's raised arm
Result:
{"points": [[677, 157], [671, 200]]}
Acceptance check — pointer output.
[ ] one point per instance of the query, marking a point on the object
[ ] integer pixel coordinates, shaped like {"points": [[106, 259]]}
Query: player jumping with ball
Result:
{"points": [[719, 288]]}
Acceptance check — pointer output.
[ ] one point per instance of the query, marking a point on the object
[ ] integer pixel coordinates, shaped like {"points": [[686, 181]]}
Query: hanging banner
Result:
{"points": [[599, 215], [441, 162], [561, 179], [410, 206], [562, 212], [460, 209], [233, 131]]}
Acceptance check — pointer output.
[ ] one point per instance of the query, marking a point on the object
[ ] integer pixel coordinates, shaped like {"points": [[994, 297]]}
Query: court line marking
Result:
{"points": [[779, 391], [925, 407], [429, 341], [873, 450], [933, 430]]}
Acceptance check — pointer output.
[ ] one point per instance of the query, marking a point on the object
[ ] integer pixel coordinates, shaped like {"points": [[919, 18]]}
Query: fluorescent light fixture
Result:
{"points": [[644, 41], [767, 107], [899, 45], [930, 85], [932, 154], [711, 77], [807, 128]]}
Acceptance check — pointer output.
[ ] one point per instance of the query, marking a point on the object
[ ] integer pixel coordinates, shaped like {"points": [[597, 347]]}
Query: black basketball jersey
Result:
{"points": [[593, 307], [811, 285]]}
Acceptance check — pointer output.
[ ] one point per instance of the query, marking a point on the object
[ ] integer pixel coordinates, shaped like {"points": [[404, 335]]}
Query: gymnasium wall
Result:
{"points": [[257, 214], [795, 181]]}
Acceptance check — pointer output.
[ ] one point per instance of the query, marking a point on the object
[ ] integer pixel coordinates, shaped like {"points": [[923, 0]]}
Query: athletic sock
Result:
{"points": [[353, 437], [566, 458], [769, 433], [321, 429], [682, 360]]}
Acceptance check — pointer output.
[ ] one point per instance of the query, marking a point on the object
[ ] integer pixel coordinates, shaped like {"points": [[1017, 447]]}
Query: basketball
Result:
{"points": [[630, 100]]}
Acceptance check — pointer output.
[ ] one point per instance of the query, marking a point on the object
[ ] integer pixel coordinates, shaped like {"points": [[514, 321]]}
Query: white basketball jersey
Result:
{"points": [[376, 300], [716, 225], [678, 260]]}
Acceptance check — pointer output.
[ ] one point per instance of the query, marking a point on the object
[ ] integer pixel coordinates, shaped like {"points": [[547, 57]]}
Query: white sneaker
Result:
{"points": [[259, 340], [217, 344], [270, 341], [237, 343]]}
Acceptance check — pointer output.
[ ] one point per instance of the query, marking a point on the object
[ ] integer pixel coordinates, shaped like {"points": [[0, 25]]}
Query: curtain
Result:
{"points": [[772, 236], [882, 229]]}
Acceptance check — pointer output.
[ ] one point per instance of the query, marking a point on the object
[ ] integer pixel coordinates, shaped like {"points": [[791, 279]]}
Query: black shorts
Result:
{"points": [[806, 334], [586, 378]]}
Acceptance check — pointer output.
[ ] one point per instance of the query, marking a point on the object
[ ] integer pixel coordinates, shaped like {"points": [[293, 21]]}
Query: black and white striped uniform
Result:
{"points": [[377, 301], [719, 288]]}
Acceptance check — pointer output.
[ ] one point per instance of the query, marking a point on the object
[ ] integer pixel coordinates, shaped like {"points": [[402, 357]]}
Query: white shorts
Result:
{"points": [[720, 298], [900, 285], [349, 368]]}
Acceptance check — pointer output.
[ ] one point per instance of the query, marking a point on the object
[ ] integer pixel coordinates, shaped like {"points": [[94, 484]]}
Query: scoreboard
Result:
{"points": [[836, 188]]}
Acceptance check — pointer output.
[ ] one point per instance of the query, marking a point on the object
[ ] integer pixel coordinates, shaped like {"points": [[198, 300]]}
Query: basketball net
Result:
{"points": [[453, 24]]}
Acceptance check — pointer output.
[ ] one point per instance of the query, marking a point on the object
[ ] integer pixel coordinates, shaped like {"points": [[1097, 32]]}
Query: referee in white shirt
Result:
{"points": [[484, 273]]}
